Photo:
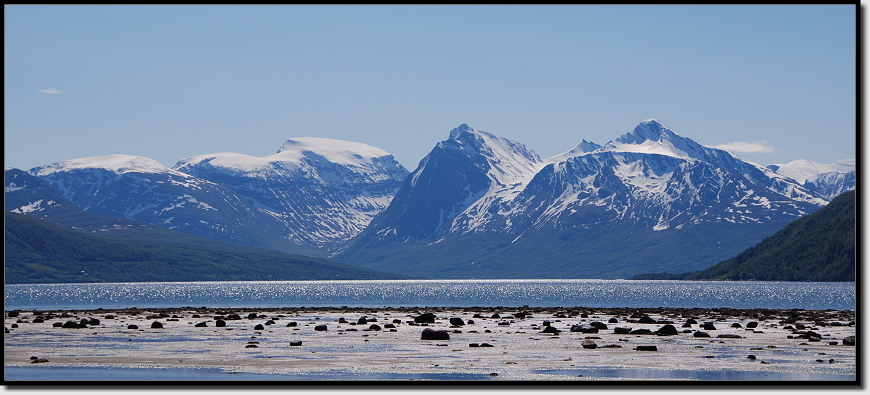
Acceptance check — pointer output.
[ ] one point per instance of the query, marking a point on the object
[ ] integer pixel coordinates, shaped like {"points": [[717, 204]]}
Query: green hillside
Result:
{"points": [[37, 251], [818, 247]]}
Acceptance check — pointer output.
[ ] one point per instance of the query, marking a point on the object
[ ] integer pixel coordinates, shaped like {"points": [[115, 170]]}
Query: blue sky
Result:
{"points": [[169, 82]]}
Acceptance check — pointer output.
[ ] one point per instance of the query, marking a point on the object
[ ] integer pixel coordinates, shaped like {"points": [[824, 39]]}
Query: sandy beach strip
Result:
{"points": [[523, 343]]}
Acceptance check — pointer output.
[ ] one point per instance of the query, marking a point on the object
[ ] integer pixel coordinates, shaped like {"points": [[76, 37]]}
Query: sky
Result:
{"points": [[771, 83]]}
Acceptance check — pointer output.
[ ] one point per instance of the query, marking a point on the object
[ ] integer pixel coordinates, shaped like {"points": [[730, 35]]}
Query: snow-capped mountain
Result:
{"points": [[139, 188], [828, 180], [309, 198], [323, 191], [582, 205]]}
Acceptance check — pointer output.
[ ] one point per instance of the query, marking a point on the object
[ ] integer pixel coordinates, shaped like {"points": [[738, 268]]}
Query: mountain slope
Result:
{"points": [[322, 191], [648, 199], [309, 198], [818, 247], [828, 180], [37, 251], [144, 190]]}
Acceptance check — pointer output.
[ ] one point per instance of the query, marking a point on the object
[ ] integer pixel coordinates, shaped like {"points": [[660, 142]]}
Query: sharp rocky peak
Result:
{"points": [[649, 130], [457, 132]]}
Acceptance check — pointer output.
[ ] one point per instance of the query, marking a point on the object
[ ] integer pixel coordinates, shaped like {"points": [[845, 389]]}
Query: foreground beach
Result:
{"points": [[430, 344]]}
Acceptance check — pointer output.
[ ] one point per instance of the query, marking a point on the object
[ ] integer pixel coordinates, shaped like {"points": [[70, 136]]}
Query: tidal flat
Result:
{"points": [[441, 344]]}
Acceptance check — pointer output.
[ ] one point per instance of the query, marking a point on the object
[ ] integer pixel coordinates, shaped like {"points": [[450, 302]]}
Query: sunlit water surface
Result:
{"points": [[443, 293]]}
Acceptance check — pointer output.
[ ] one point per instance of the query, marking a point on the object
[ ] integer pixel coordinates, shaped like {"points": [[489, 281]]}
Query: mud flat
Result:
{"points": [[522, 343]]}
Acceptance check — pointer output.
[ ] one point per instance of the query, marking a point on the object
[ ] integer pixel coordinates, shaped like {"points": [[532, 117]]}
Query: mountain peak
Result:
{"points": [[653, 137], [456, 132], [649, 130]]}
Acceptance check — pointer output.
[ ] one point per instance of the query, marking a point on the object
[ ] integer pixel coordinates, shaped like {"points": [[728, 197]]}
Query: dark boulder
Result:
{"points": [[589, 344], [425, 317], [642, 331], [849, 341], [220, 323], [156, 325], [201, 325], [296, 343], [736, 325], [646, 320], [621, 331], [752, 325], [131, 326], [667, 330], [57, 324], [577, 328], [321, 328], [70, 324], [701, 334], [374, 327], [252, 316], [598, 325], [708, 326], [646, 348], [430, 334], [457, 321], [550, 329], [259, 327], [362, 321], [729, 336], [291, 324], [691, 321], [93, 321], [12, 314]]}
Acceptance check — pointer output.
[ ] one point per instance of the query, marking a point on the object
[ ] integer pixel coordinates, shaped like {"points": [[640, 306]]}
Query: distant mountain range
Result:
{"points": [[478, 206]]}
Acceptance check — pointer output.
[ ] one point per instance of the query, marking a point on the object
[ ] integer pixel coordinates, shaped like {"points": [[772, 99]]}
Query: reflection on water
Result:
{"points": [[682, 374], [67, 373]]}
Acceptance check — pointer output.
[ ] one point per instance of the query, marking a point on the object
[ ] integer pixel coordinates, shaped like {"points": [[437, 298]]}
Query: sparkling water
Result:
{"points": [[436, 293]]}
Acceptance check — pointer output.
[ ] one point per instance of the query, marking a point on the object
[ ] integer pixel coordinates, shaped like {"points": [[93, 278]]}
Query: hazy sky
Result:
{"points": [[169, 82]]}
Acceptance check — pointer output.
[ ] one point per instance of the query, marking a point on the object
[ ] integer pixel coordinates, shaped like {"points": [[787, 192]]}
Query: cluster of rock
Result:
{"points": [[699, 323]]}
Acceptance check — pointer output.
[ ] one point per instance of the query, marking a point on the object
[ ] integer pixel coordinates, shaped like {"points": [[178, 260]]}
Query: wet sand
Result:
{"points": [[386, 344]]}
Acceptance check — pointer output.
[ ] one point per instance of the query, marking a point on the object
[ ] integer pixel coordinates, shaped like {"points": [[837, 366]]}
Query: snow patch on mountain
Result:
{"points": [[803, 170], [294, 156], [117, 163]]}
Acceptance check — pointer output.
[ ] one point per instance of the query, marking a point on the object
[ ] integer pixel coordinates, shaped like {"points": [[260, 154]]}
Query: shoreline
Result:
{"points": [[434, 343]]}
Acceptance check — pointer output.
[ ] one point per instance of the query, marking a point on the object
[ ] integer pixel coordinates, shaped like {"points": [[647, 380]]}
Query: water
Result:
{"points": [[442, 293], [103, 374]]}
